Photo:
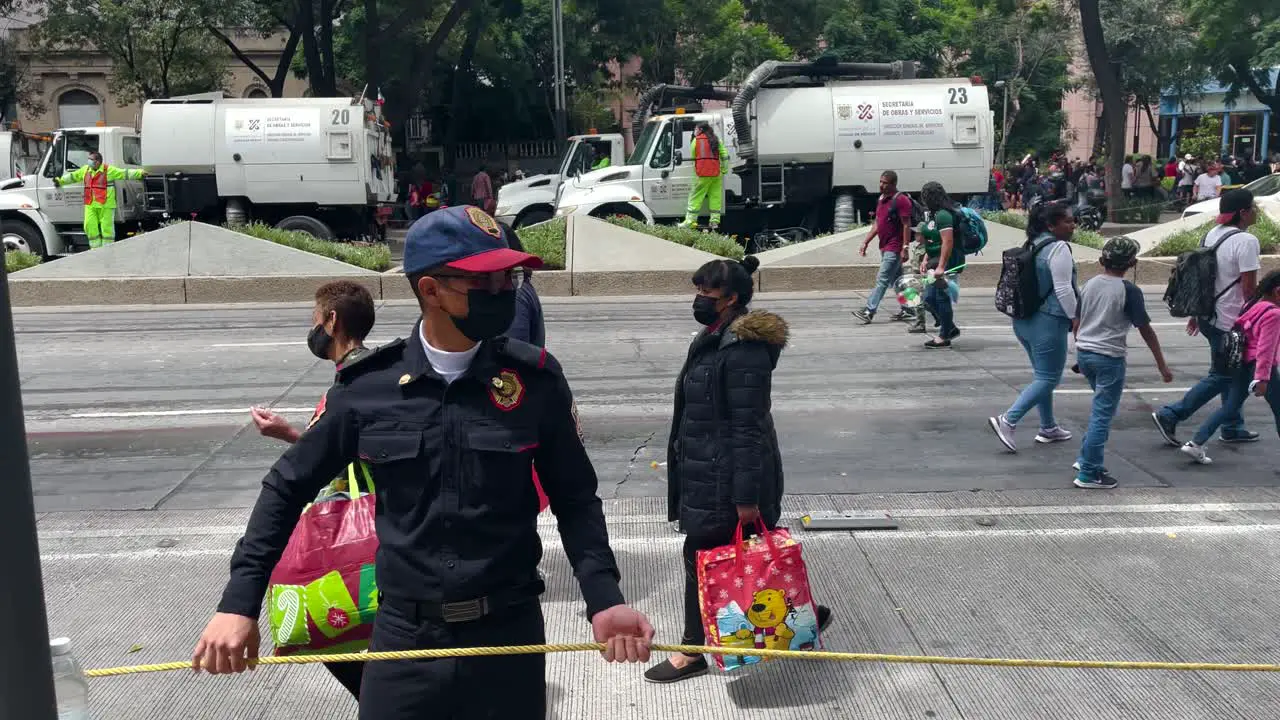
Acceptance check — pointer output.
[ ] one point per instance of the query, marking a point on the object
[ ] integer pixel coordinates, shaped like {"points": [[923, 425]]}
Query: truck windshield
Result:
{"points": [[645, 142]]}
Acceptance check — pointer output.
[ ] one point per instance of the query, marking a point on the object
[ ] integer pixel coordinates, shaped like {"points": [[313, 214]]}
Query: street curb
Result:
{"points": [[550, 283]]}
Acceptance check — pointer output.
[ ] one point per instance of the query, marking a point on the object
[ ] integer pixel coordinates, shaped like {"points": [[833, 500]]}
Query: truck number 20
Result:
{"points": [[342, 117], [959, 96]]}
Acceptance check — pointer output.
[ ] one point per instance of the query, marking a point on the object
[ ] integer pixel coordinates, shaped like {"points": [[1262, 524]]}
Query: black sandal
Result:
{"points": [[665, 673], [936, 343]]}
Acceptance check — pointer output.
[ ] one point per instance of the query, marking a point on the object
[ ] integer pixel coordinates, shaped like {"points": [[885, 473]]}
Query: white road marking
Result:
{"points": [[1010, 326], [182, 413], [554, 544], [585, 404], [283, 343], [547, 520]]}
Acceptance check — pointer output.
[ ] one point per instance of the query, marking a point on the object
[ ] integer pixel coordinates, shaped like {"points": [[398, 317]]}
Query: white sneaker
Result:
{"points": [[1052, 435], [1197, 453]]}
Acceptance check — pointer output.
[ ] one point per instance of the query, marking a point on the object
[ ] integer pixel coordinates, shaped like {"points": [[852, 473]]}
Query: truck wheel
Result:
{"points": [[533, 217], [306, 224], [19, 236]]}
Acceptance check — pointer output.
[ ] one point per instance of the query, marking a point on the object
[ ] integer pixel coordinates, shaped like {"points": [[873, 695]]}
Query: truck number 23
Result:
{"points": [[342, 117], [959, 96]]}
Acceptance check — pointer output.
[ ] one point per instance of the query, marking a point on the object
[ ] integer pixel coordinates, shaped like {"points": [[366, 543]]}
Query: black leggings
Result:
{"points": [[694, 632], [349, 674]]}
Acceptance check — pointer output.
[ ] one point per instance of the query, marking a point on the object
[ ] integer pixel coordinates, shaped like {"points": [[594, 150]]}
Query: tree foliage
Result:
{"points": [[1238, 41], [158, 48]]}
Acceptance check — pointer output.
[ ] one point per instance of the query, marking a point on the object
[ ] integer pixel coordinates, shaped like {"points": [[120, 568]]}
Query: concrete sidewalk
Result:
{"points": [[1138, 574]]}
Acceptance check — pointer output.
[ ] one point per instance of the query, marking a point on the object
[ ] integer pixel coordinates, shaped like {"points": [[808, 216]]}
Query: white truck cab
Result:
{"points": [[654, 184], [533, 200], [61, 229]]}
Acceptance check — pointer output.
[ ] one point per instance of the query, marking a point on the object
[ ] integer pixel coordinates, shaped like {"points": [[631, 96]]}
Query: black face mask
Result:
{"points": [[488, 314], [319, 342], [704, 310]]}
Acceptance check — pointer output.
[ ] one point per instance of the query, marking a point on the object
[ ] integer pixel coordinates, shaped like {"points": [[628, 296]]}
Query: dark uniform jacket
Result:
{"points": [[456, 504], [723, 451]]}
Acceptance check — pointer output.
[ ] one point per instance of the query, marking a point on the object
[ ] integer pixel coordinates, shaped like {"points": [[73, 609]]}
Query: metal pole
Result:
{"points": [[557, 41], [1004, 125], [26, 670]]}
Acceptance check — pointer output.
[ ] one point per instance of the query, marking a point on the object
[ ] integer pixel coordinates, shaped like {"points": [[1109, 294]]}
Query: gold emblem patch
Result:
{"points": [[484, 221], [404, 379], [507, 390]]}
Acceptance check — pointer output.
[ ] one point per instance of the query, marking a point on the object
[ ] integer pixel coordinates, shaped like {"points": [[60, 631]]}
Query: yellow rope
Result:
{"points": [[692, 649]]}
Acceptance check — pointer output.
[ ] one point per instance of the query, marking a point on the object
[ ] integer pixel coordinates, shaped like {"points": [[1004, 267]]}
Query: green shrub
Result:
{"points": [[17, 260], [1089, 239], [1005, 217], [370, 256], [546, 240], [714, 243], [1266, 230]]}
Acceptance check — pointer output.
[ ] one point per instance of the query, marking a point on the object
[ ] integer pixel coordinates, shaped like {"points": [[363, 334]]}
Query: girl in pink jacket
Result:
{"points": [[1257, 374]]}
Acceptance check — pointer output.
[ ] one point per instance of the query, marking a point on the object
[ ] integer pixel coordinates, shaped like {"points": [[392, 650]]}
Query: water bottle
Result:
{"points": [[69, 683]]}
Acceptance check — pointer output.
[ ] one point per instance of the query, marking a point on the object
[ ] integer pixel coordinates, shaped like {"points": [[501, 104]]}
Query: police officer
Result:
{"points": [[451, 422]]}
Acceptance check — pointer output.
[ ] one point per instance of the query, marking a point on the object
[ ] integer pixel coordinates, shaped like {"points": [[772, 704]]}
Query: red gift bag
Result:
{"points": [[755, 594], [324, 593]]}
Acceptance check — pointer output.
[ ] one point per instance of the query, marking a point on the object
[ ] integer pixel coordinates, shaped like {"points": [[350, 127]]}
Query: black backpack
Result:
{"points": [[1018, 290], [1191, 282], [1230, 356], [917, 210]]}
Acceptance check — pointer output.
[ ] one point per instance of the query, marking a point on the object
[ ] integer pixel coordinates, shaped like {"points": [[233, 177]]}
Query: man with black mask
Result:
{"points": [[450, 423]]}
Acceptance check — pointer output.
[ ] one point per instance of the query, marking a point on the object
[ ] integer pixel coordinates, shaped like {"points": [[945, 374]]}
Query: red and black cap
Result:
{"points": [[462, 237]]}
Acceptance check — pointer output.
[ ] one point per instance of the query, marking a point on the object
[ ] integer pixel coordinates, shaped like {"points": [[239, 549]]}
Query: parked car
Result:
{"points": [[1266, 191]]}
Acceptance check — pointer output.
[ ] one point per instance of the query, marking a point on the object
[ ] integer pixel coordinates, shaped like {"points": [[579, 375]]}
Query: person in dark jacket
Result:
{"points": [[528, 325], [723, 463]]}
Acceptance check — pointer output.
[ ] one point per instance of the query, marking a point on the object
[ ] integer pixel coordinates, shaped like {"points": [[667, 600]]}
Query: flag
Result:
{"points": [[381, 100]]}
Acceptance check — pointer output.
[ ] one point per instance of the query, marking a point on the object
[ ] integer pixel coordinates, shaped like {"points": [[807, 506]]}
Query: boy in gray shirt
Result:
{"points": [[1109, 306]]}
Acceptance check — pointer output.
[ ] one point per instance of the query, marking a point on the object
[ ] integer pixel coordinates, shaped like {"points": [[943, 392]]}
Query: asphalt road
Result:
{"points": [[144, 466]]}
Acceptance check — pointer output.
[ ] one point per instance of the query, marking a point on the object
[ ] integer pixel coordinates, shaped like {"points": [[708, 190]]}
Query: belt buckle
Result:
{"points": [[465, 610]]}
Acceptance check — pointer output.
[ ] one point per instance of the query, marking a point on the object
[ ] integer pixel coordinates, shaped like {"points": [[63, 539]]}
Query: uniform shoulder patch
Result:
{"points": [[371, 358]]}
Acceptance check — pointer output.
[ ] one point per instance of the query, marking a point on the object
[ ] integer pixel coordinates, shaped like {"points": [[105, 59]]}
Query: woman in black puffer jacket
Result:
{"points": [[723, 464]]}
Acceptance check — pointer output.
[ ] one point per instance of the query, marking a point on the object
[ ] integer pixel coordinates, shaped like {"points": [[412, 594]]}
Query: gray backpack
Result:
{"points": [[1191, 282]]}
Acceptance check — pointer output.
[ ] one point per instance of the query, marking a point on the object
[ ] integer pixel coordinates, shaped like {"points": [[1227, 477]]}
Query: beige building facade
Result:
{"points": [[73, 84]]}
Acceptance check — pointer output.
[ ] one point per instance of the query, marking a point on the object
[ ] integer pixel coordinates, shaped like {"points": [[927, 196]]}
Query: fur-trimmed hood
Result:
{"points": [[761, 326]]}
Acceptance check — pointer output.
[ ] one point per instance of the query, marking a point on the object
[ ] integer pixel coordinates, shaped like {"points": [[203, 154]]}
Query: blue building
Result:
{"points": [[1248, 128]]}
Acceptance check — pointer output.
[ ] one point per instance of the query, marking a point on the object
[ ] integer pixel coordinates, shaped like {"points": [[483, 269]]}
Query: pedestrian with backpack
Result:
{"points": [[944, 259], [1046, 276], [1209, 286], [896, 214], [1109, 306], [1249, 355]]}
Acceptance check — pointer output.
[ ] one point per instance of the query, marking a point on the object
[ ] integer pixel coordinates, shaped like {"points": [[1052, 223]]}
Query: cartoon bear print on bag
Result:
{"points": [[768, 614]]}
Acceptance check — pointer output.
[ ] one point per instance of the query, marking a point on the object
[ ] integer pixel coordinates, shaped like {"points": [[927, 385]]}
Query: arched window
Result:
{"points": [[257, 92], [77, 108]]}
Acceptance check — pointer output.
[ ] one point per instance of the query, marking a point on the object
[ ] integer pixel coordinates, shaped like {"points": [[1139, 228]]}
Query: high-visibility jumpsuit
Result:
{"points": [[602, 162], [99, 199], [708, 183]]}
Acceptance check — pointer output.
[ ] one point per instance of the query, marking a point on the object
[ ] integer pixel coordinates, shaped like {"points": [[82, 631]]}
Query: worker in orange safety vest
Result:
{"points": [[710, 165], [99, 196]]}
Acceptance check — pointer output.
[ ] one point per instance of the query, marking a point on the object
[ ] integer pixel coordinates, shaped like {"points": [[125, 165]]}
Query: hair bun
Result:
{"points": [[750, 262]]}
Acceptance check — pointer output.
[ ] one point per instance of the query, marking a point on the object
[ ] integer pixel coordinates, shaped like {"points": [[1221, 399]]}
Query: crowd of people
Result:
{"points": [[1021, 185], [1098, 316]]}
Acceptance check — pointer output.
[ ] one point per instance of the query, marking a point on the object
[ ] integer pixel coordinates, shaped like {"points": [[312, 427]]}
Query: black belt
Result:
{"points": [[461, 611]]}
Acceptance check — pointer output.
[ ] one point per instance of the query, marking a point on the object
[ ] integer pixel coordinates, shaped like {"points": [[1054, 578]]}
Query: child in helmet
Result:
{"points": [[1109, 305]]}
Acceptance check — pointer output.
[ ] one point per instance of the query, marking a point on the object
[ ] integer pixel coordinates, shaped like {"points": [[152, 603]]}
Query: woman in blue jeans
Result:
{"points": [[1044, 334]]}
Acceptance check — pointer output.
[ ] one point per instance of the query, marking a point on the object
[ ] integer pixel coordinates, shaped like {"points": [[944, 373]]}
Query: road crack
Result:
{"points": [[631, 466]]}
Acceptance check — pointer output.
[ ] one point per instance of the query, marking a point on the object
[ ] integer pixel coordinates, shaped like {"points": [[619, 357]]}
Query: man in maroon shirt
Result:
{"points": [[893, 227]]}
